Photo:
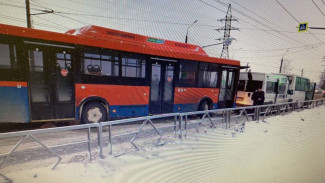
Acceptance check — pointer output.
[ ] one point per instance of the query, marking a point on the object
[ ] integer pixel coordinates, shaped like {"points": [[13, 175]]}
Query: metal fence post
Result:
{"points": [[89, 145], [175, 124], [228, 118], [258, 114], [180, 125], [110, 139], [100, 140], [185, 125]]}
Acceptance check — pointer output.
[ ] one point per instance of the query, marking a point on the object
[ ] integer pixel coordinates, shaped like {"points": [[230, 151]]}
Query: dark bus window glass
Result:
{"points": [[187, 74], [8, 59], [63, 62], [253, 85], [213, 74], [4, 56], [39, 87], [207, 76], [241, 85], [270, 87], [36, 60], [282, 88], [101, 64], [302, 84], [230, 80], [133, 67]]}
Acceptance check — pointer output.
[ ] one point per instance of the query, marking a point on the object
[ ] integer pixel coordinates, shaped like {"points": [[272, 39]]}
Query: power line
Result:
{"points": [[118, 18], [79, 21], [38, 5], [37, 23], [276, 31], [318, 7], [296, 19], [17, 6], [287, 11], [289, 48], [53, 22], [259, 22]]}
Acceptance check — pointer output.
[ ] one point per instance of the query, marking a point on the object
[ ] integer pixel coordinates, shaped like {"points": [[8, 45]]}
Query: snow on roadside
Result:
{"points": [[286, 149]]}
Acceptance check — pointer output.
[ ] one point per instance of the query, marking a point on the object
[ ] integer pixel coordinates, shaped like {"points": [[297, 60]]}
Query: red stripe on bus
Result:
{"points": [[13, 83], [113, 94], [194, 95]]}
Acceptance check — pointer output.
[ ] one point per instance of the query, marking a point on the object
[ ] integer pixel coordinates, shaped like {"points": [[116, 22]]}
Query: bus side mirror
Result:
{"points": [[290, 92]]}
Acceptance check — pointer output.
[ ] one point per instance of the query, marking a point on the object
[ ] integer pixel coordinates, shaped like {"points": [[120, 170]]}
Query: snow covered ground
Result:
{"points": [[286, 149]]}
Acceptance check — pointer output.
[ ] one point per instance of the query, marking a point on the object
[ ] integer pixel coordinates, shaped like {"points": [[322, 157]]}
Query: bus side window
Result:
{"points": [[188, 73], [271, 87], [282, 88], [133, 67], [208, 75], [101, 63], [8, 59]]}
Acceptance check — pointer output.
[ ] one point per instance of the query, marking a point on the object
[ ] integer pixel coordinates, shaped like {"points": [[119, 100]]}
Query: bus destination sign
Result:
{"points": [[154, 40]]}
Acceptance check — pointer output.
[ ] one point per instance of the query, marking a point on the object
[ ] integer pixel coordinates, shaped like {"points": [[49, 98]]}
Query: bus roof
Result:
{"points": [[118, 40], [293, 75]]}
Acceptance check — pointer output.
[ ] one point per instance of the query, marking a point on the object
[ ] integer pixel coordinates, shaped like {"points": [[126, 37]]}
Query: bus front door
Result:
{"points": [[226, 95], [51, 83], [162, 87]]}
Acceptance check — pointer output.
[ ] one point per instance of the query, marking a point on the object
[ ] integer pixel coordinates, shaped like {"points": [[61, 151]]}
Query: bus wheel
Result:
{"points": [[204, 106], [93, 112]]}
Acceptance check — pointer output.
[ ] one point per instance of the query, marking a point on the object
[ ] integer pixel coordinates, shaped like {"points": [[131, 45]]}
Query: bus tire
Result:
{"points": [[93, 112], [203, 106]]}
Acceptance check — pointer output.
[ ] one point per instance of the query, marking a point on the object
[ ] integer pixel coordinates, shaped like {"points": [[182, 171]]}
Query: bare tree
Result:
{"points": [[322, 81]]}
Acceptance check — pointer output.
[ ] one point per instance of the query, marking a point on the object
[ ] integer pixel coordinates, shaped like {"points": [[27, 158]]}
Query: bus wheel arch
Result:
{"points": [[94, 110], [205, 103]]}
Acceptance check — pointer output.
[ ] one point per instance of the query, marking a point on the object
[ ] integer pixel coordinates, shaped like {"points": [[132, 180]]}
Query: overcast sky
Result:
{"points": [[268, 28]]}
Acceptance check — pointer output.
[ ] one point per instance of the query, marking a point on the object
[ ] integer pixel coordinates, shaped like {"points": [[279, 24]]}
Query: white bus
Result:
{"points": [[300, 88], [275, 87]]}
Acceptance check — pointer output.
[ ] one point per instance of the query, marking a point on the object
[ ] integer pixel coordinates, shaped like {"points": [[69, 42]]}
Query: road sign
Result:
{"points": [[303, 27]]}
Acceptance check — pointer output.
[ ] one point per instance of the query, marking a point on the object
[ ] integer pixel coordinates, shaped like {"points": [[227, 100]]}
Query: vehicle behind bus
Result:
{"points": [[300, 88], [274, 86]]}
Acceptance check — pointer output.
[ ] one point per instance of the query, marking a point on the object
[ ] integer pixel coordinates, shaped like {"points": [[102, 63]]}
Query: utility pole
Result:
{"points": [[282, 61], [247, 66], [226, 37], [29, 22]]}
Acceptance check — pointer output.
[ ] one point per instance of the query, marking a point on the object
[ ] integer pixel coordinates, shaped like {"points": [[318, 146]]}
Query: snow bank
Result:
{"points": [[286, 149]]}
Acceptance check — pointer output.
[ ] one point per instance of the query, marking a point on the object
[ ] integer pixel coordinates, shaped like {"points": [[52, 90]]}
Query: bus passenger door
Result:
{"points": [[51, 83], [162, 87], [226, 95]]}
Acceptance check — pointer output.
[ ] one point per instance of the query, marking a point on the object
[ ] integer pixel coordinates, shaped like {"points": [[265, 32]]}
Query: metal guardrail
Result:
{"points": [[223, 115], [256, 112], [31, 133], [145, 120]]}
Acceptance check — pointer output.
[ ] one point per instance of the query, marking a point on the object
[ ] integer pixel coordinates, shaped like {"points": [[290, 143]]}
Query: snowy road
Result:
{"points": [[287, 148]]}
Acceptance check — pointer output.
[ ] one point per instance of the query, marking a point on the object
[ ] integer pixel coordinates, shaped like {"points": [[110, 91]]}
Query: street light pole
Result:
{"points": [[282, 61], [188, 29]]}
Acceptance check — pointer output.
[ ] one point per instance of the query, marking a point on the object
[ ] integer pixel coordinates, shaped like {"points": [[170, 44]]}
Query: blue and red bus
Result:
{"points": [[94, 74]]}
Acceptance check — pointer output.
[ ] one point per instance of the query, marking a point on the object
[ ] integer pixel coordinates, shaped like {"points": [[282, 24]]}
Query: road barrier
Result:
{"points": [[227, 117], [144, 120], [31, 133]]}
